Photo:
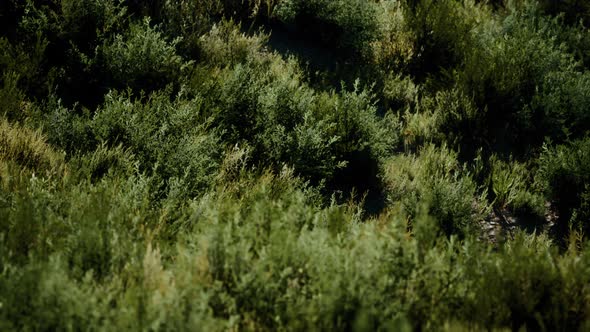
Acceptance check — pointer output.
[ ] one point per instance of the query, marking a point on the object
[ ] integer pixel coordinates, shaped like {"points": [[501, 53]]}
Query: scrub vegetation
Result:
{"points": [[294, 165]]}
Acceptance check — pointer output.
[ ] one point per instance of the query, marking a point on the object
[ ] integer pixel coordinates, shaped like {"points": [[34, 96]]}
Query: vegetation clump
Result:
{"points": [[199, 165]]}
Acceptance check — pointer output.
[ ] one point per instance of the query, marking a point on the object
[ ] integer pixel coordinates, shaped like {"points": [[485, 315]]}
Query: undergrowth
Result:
{"points": [[162, 167]]}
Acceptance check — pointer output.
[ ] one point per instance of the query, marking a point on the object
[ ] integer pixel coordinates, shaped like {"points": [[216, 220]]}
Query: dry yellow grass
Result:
{"points": [[28, 148]]}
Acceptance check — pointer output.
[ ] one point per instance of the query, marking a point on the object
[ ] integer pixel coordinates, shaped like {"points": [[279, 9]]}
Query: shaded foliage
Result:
{"points": [[165, 166]]}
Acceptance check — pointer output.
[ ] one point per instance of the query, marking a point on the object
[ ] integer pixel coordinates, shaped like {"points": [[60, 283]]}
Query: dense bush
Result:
{"points": [[573, 11], [20, 72], [433, 180], [441, 31], [225, 45], [189, 20], [511, 184], [324, 136], [193, 165], [564, 175], [173, 142], [142, 59], [64, 38], [349, 25], [513, 73], [266, 258]]}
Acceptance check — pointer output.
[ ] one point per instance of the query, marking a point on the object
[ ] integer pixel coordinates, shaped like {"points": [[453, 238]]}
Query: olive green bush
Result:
{"points": [[508, 75], [173, 142], [141, 60], [433, 180], [441, 33], [66, 36], [563, 176], [225, 45], [12, 97], [573, 11], [187, 165], [513, 188], [265, 257], [188, 20], [20, 73], [285, 121], [349, 25]]}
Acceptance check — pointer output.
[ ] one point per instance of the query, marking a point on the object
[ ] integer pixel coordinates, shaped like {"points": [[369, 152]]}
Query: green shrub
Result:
{"points": [[11, 97], [104, 161], [512, 186], [225, 45], [189, 20], [265, 257], [66, 128], [84, 23], [46, 297], [524, 277], [20, 65], [562, 104], [527, 85], [364, 138], [396, 47], [210, 183], [141, 59], [442, 33], [564, 175], [324, 136], [448, 116], [170, 139], [400, 92], [349, 25], [435, 179], [62, 39], [573, 11]]}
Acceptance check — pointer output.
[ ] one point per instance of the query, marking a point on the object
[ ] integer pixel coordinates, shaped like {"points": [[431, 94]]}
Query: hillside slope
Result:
{"points": [[294, 165]]}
